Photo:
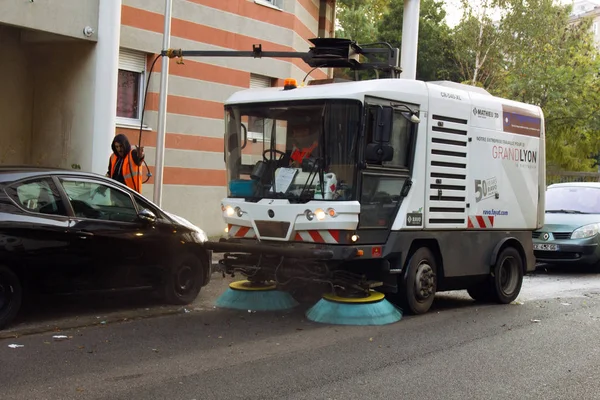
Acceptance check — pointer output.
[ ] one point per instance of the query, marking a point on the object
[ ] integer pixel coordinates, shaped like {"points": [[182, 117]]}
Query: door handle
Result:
{"points": [[84, 234]]}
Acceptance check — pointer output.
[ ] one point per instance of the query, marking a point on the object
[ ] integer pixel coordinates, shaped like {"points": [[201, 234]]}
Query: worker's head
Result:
{"points": [[120, 145], [303, 135]]}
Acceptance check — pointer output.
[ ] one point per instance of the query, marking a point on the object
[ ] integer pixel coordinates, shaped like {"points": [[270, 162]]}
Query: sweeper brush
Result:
{"points": [[246, 295], [373, 309]]}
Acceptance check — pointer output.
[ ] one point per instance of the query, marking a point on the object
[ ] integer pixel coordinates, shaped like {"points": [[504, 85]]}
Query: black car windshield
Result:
{"points": [[298, 150], [573, 200]]}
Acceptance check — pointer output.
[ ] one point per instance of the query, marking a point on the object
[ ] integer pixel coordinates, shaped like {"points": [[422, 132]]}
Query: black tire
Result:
{"points": [[11, 296], [184, 279], [507, 276], [419, 284]]}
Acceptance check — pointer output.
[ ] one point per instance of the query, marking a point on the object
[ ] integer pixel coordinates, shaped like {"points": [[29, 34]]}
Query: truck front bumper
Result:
{"points": [[284, 249]]}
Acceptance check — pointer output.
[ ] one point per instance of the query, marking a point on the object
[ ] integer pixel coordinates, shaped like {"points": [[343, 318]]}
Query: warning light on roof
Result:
{"points": [[290, 83]]}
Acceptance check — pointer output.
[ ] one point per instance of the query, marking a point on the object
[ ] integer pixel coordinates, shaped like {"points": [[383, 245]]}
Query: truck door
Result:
{"points": [[447, 188]]}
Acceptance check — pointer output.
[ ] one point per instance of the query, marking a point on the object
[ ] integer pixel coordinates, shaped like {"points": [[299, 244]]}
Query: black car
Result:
{"points": [[64, 231]]}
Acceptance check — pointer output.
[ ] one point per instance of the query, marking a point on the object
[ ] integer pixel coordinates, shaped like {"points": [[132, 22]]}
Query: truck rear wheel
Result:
{"points": [[418, 287], [507, 276]]}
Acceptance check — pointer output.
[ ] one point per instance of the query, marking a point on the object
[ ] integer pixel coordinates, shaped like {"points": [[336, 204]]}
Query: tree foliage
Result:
{"points": [[554, 64]]}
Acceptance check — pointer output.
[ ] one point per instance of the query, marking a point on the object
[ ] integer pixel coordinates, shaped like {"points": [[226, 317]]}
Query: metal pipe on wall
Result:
{"points": [[162, 109]]}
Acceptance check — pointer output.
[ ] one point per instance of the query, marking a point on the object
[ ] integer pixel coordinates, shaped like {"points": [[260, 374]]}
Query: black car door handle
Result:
{"points": [[84, 234]]}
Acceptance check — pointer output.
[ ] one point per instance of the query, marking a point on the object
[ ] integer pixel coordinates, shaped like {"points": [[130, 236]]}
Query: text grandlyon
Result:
{"points": [[514, 154]]}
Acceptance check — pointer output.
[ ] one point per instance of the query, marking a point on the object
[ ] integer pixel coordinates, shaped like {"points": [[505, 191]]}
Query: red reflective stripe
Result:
{"points": [[335, 235], [242, 232], [298, 237], [481, 221], [316, 236], [470, 223]]}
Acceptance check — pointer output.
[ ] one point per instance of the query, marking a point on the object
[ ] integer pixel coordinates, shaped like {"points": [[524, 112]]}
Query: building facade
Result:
{"points": [[588, 9], [79, 71]]}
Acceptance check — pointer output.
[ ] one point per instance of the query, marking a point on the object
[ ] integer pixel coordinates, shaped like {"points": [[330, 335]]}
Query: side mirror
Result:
{"points": [[382, 131], [378, 152], [147, 216]]}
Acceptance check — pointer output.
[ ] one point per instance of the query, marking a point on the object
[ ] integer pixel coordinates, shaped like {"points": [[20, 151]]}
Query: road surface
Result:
{"points": [[545, 348]]}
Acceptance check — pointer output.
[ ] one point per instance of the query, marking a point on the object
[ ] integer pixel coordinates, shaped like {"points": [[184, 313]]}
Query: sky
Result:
{"points": [[454, 9]]}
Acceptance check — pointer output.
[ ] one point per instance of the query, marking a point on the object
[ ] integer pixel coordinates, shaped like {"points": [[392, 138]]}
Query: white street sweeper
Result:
{"points": [[401, 186], [382, 186]]}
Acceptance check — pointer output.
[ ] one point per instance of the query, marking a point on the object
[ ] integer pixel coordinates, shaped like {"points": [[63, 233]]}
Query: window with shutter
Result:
{"points": [[258, 126], [131, 81]]}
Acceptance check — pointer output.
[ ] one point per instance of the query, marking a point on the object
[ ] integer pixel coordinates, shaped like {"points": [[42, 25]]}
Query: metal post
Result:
{"points": [[162, 109], [410, 39], [106, 58]]}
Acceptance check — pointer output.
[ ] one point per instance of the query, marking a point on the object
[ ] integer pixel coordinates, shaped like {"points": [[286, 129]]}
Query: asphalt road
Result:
{"points": [[545, 348]]}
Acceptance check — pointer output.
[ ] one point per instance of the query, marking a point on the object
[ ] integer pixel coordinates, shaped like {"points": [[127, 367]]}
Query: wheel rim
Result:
{"points": [[184, 280], [424, 282], [508, 276]]}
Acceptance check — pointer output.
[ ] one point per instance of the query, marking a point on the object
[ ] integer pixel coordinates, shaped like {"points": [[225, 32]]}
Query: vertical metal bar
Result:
{"points": [[410, 39], [162, 109]]}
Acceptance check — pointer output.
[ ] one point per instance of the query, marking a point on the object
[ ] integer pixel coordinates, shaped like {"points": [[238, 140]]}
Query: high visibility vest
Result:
{"points": [[299, 154], [132, 174]]}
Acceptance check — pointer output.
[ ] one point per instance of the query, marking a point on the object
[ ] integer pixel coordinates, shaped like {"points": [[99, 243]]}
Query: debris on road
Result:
{"points": [[517, 303], [61, 337], [565, 304], [536, 320], [14, 346]]}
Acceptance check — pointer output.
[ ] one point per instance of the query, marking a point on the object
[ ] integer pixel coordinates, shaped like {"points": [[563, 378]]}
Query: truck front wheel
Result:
{"points": [[419, 284], [507, 276]]}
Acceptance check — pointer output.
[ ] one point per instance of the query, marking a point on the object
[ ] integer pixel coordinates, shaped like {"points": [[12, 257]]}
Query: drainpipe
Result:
{"points": [[410, 39], [105, 85], [162, 108]]}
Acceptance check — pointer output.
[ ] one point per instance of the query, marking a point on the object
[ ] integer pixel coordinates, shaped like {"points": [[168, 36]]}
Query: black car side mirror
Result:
{"points": [[147, 216]]}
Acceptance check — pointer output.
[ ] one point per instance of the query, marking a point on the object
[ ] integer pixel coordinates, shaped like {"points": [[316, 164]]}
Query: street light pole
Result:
{"points": [[162, 108]]}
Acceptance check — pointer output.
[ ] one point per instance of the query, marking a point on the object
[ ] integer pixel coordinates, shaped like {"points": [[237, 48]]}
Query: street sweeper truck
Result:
{"points": [[386, 186], [372, 189]]}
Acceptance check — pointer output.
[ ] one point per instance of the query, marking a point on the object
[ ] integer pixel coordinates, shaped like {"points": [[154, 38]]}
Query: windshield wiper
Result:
{"points": [[563, 211]]}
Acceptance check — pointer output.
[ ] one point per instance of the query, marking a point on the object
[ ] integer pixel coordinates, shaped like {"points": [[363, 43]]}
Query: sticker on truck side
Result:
{"points": [[414, 219]]}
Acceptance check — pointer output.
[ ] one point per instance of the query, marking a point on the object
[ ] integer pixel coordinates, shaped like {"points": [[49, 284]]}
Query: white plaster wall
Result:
{"points": [[16, 99], [63, 104]]}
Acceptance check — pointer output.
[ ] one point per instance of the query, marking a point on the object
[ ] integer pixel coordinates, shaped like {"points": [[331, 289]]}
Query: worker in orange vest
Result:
{"points": [[125, 164], [303, 143]]}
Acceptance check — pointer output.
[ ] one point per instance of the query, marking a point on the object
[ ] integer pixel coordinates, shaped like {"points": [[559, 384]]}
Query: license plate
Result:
{"points": [[545, 247]]}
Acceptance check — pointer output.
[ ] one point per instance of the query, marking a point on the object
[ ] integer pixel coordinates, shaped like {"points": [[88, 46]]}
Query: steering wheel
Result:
{"points": [[271, 152]]}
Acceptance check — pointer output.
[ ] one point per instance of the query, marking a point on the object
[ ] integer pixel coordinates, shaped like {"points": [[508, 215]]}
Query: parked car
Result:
{"points": [[67, 231], [572, 225]]}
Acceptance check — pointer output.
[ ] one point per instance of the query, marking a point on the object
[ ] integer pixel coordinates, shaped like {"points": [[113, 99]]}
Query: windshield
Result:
{"points": [[295, 150], [574, 200]]}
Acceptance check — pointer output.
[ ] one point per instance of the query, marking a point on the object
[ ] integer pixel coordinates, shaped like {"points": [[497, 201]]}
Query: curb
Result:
{"points": [[87, 321]]}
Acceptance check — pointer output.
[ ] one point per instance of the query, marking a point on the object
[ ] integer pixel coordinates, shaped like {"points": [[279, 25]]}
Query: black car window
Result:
{"points": [[98, 201], [38, 196]]}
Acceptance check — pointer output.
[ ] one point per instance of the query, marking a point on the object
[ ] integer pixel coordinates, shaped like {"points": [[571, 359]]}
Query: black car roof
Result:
{"points": [[11, 173]]}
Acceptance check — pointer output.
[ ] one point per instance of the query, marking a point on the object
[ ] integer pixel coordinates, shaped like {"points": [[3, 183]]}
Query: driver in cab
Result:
{"points": [[301, 144]]}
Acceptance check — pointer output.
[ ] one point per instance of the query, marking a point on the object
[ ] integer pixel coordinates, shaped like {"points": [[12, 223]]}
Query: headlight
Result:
{"points": [[309, 215], [586, 231], [229, 211], [200, 236], [320, 214]]}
